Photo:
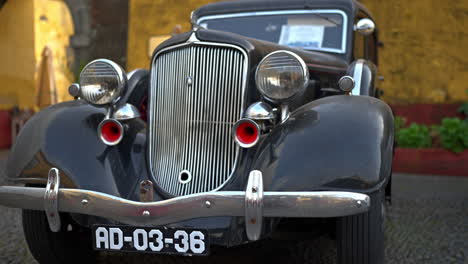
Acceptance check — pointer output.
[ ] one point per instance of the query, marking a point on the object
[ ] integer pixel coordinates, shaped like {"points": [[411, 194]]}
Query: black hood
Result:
{"points": [[256, 49], [321, 65]]}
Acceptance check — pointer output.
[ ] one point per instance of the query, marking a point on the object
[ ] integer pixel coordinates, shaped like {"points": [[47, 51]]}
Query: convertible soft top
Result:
{"points": [[239, 6]]}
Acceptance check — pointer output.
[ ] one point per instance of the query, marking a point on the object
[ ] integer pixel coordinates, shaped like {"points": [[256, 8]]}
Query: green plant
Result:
{"points": [[453, 134], [400, 122], [414, 136], [464, 109]]}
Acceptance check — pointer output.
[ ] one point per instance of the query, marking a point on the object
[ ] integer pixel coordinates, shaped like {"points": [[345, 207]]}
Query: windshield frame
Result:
{"points": [[292, 12]]}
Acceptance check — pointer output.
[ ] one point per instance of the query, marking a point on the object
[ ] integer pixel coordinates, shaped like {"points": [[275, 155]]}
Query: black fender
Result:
{"points": [[334, 143], [137, 88], [65, 136]]}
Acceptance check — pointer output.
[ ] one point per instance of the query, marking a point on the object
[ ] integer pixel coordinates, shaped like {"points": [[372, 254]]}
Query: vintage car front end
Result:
{"points": [[240, 136]]}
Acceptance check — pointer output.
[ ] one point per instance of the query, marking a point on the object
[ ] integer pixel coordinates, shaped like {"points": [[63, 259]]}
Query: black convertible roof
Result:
{"points": [[240, 6]]}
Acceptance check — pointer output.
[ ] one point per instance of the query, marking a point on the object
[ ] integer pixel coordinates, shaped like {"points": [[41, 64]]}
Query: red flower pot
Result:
{"points": [[430, 161], [5, 129]]}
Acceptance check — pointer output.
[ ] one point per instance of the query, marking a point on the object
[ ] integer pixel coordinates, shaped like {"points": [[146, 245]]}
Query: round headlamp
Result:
{"points": [[281, 75], [102, 82]]}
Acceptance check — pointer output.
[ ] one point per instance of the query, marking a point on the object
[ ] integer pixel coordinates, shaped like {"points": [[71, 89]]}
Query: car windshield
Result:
{"points": [[307, 29]]}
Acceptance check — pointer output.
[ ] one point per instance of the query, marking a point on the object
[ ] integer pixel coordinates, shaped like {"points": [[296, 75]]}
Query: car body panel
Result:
{"points": [[337, 142]]}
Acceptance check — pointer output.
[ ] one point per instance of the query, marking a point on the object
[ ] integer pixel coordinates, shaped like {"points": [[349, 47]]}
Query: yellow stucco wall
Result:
{"points": [[26, 27], [148, 18], [17, 67], [425, 58], [54, 30]]}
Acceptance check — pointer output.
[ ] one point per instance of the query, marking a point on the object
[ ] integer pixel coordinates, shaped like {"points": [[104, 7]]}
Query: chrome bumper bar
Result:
{"points": [[253, 204]]}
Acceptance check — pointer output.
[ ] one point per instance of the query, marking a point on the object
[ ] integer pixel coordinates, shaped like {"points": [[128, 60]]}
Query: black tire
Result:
{"points": [[360, 238], [55, 248]]}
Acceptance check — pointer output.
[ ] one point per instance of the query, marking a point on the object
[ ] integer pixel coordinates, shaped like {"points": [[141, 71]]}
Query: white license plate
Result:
{"points": [[157, 240]]}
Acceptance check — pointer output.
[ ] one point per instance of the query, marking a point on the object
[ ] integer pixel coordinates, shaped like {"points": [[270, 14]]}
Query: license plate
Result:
{"points": [[151, 240]]}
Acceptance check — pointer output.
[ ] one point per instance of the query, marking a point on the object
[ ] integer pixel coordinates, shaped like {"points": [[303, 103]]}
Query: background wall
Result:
{"points": [[26, 27], [149, 18], [18, 73], [100, 31], [424, 60], [425, 57]]}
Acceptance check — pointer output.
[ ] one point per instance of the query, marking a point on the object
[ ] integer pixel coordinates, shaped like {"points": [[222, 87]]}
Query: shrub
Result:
{"points": [[453, 134], [414, 136], [464, 109], [400, 122]]}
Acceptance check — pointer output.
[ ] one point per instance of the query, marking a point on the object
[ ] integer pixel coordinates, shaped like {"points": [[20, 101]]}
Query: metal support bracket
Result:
{"points": [[51, 200], [146, 191], [254, 205]]}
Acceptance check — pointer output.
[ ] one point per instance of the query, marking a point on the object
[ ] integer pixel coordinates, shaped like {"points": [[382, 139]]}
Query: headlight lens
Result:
{"points": [[102, 82], [281, 75]]}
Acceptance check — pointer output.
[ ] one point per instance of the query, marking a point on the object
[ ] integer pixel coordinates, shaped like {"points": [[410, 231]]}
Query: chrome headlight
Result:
{"points": [[281, 75], [102, 82]]}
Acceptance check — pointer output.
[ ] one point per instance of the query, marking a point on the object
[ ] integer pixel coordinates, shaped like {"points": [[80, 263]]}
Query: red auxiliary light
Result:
{"points": [[246, 133], [110, 131]]}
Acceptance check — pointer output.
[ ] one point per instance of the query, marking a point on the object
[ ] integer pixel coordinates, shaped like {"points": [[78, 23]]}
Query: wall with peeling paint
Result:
{"points": [[26, 27]]}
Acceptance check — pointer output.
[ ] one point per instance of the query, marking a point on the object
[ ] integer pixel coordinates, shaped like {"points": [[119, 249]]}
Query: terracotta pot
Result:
{"points": [[5, 129], [430, 161], [428, 114]]}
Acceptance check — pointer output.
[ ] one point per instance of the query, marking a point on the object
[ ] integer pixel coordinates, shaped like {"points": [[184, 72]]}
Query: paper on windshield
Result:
{"points": [[302, 36]]}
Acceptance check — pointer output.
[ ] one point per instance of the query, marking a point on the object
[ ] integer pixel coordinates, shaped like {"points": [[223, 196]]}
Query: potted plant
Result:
{"points": [[438, 149]]}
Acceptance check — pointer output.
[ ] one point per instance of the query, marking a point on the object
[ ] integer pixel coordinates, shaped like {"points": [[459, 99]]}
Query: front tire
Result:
{"points": [[360, 238], [65, 246]]}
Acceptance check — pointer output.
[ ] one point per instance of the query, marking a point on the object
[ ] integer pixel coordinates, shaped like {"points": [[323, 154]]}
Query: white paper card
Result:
{"points": [[302, 36]]}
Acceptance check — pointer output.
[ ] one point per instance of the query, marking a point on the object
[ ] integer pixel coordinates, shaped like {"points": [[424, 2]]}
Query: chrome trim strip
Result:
{"points": [[126, 112], [27, 180], [51, 200], [291, 12], [209, 204], [260, 111], [357, 74], [254, 205], [192, 42]]}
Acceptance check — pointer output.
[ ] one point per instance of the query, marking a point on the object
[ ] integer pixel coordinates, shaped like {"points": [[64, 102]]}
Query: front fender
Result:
{"points": [[335, 143], [65, 136]]}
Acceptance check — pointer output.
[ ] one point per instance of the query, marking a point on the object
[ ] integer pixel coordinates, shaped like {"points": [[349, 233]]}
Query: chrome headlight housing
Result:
{"points": [[281, 75], [102, 82]]}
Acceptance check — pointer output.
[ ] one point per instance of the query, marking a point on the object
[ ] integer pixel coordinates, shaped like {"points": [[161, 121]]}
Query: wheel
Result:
{"points": [[360, 238], [65, 246]]}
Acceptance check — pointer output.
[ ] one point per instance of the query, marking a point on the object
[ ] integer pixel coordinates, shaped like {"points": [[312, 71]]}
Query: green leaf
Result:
{"points": [[454, 134], [414, 136]]}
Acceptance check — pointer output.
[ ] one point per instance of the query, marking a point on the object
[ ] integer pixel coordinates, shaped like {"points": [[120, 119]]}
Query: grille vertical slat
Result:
{"points": [[190, 125]]}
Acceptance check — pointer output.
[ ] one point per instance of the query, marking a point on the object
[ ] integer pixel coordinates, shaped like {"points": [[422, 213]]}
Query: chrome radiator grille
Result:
{"points": [[196, 97]]}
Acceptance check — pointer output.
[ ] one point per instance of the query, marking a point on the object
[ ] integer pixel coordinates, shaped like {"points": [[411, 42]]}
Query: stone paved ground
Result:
{"points": [[427, 223]]}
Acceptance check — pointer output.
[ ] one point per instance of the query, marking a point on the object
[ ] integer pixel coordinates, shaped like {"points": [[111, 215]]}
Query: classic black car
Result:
{"points": [[263, 119]]}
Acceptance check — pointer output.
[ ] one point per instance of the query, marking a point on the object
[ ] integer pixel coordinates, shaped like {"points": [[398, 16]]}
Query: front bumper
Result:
{"points": [[254, 204]]}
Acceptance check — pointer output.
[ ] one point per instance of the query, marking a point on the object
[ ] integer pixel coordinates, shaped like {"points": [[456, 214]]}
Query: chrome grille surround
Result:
{"points": [[197, 94]]}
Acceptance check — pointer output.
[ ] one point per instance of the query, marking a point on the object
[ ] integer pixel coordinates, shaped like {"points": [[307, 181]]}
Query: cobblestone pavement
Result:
{"points": [[427, 223]]}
